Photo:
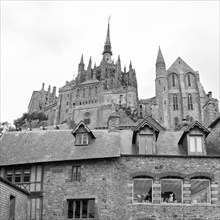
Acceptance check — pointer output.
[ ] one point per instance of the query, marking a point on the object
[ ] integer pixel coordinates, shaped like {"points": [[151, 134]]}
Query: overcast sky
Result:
{"points": [[43, 42]]}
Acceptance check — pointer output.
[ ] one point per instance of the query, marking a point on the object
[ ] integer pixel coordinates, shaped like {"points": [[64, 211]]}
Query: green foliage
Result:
{"points": [[28, 118]]}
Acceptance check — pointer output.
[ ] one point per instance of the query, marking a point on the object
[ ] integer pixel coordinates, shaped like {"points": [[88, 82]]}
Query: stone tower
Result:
{"points": [[161, 86]]}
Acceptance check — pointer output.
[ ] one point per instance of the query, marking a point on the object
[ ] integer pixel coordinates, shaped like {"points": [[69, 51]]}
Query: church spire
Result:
{"points": [[81, 61], [107, 46], [160, 61]]}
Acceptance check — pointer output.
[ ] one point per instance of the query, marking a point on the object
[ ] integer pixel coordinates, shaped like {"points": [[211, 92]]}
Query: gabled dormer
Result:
{"points": [[193, 139], [145, 136], [83, 135]]}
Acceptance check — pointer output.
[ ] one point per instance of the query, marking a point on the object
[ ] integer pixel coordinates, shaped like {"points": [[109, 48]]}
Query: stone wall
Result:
{"points": [[110, 183], [21, 202]]}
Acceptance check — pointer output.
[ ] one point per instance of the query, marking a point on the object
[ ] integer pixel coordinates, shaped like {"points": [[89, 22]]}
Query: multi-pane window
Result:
{"points": [[175, 102], [9, 175], [173, 80], [82, 139], [18, 176], [76, 173], [146, 144], [171, 191], [142, 190], [190, 104], [195, 145], [26, 175], [200, 191], [80, 208]]}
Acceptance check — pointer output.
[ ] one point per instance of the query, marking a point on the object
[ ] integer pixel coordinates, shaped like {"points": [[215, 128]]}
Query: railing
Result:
{"points": [[30, 186]]}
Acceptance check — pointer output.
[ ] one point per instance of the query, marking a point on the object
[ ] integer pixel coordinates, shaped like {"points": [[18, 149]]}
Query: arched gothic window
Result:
{"points": [[77, 93], [173, 80], [90, 91], [175, 102], [189, 80], [190, 104], [176, 122], [84, 93]]}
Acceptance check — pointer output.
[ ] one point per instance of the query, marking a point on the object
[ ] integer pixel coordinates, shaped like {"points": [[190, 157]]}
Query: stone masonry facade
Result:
{"points": [[110, 183], [21, 202]]}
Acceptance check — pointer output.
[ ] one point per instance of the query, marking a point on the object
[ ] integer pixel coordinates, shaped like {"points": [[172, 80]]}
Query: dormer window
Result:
{"points": [[146, 144], [82, 139], [83, 135], [195, 145], [193, 139], [145, 136]]}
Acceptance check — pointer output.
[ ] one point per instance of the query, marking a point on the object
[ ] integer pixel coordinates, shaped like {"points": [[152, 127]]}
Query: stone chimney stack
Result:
{"points": [[210, 95], [184, 124], [113, 122]]}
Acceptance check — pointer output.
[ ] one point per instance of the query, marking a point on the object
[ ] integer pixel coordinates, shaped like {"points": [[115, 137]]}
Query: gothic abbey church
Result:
{"points": [[97, 91]]}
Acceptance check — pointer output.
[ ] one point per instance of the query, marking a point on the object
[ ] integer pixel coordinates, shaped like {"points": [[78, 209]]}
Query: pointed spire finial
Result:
{"points": [[107, 46], [81, 61], [160, 57], [130, 65]]}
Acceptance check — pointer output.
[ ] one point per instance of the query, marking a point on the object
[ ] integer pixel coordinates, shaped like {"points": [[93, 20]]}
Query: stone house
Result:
{"points": [[116, 172], [14, 201]]}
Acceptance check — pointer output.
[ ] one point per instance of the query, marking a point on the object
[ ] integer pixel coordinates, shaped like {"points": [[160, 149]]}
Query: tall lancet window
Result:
{"points": [[175, 102], [190, 104], [173, 80], [189, 80]]}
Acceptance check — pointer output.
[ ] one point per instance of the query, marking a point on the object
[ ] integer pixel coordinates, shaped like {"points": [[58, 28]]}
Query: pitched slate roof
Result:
{"points": [[191, 126], [55, 145], [82, 123], [180, 66], [214, 122], [150, 122], [167, 143]]}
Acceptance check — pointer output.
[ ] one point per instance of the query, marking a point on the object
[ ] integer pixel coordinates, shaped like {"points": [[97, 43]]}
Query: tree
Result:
{"points": [[28, 118]]}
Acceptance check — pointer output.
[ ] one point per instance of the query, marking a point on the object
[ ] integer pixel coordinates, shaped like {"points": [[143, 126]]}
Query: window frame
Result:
{"points": [[172, 179], [142, 178], [189, 80], [81, 200], [76, 175], [209, 190], [203, 152], [190, 103], [175, 102], [173, 80], [80, 137], [153, 147]]}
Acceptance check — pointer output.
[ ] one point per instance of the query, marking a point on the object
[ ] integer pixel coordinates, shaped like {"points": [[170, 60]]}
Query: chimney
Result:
{"points": [[113, 122], [210, 95], [184, 124]]}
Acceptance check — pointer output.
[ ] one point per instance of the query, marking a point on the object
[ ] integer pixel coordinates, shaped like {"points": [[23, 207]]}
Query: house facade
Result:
{"points": [[146, 172]]}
